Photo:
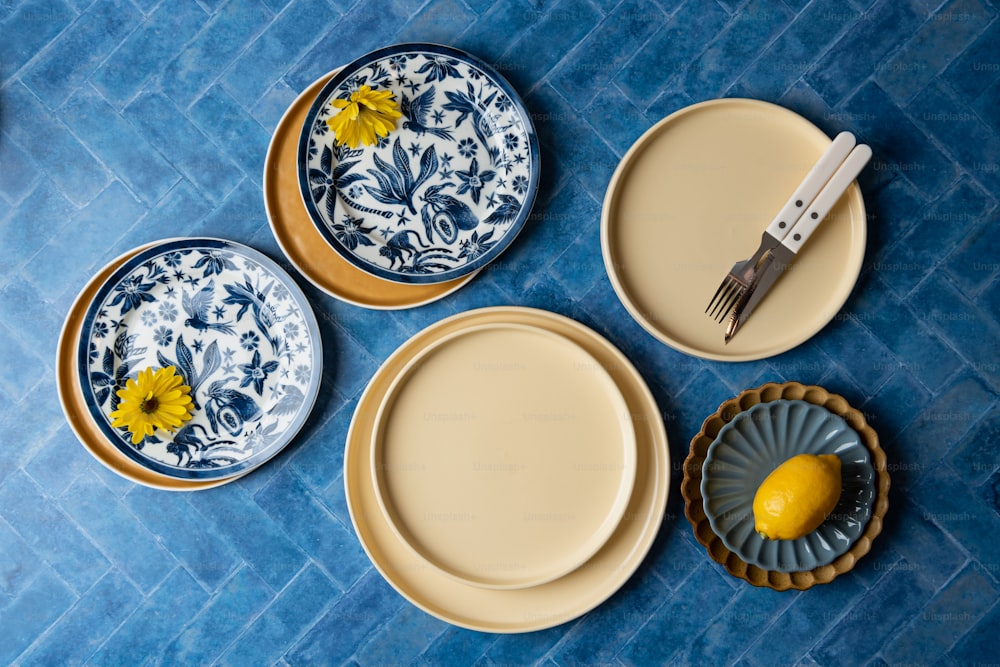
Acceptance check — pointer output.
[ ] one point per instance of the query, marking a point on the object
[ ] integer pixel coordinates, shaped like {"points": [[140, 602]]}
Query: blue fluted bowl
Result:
{"points": [[756, 442]]}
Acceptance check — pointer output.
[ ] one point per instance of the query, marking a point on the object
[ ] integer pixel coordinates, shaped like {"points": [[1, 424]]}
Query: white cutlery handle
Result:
{"points": [[810, 186], [827, 197]]}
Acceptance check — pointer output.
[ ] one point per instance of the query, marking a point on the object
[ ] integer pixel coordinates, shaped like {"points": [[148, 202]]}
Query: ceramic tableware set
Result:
{"points": [[506, 469]]}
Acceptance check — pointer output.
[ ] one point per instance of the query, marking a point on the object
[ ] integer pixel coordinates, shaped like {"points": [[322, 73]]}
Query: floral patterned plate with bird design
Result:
{"points": [[446, 191], [234, 326]]}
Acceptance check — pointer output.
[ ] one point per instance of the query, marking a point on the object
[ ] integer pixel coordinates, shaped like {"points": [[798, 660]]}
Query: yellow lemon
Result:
{"points": [[797, 496]]}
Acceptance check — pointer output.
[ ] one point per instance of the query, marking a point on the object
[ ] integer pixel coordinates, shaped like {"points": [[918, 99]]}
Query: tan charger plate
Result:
{"points": [[504, 455], [693, 500], [692, 196], [75, 408], [302, 243], [522, 609]]}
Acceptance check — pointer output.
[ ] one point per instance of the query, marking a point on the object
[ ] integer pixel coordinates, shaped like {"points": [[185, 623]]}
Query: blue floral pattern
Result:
{"points": [[236, 328], [461, 166]]}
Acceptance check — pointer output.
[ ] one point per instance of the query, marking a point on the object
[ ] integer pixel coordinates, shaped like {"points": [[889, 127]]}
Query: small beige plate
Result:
{"points": [[521, 609], [75, 408], [302, 243], [504, 455], [692, 196]]}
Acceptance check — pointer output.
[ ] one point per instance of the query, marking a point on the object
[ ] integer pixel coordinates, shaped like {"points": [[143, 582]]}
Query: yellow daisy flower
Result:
{"points": [[367, 115], [153, 400]]}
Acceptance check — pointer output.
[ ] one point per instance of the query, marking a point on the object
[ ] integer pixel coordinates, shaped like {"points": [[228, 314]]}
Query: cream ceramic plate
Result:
{"points": [[301, 241], [692, 196], [504, 455], [76, 410], [523, 609]]}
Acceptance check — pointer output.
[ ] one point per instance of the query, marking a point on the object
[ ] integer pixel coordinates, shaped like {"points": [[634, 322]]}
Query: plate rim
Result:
{"points": [[717, 443], [500, 81], [309, 317], [610, 519], [646, 523], [852, 268]]}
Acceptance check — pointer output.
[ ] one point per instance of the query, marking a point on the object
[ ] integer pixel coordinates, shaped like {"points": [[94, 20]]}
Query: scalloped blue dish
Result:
{"points": [[756, 442], [446, 191], [238, 330]]}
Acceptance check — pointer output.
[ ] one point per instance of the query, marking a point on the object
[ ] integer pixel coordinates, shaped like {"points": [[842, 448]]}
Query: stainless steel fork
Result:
{"points": [[736, 282]]}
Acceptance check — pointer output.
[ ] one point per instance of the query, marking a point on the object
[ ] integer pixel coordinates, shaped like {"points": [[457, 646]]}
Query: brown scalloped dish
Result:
{"points": [[693, 500]]}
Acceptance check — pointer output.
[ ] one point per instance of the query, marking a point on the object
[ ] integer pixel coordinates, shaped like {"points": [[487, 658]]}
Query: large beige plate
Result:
{"points": [[524, 609], [75, 408], [504, 455], [692, 196], [302, 243]]}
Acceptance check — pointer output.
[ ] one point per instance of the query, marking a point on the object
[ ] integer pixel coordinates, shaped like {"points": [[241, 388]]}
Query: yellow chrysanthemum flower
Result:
{"points": [[153, 400], [367, 115]]}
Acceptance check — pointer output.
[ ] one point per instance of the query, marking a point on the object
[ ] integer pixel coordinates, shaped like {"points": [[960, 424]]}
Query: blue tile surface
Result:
{"points": [[67, 63], [126, 121]]}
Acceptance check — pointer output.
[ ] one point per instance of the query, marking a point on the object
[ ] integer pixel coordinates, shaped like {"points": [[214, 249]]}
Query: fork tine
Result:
{"points": [[719, 298], [731, 299], [722, 295], [727, 288], [722, 286]]}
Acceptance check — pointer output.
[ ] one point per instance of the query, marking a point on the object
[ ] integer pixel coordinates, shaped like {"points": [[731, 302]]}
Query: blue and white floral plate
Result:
{"points": [[444, 193], [233, 324], [756, 442]]}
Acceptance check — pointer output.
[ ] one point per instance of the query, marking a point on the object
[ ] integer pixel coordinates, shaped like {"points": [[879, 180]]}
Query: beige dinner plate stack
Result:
{"points": [[506, 469]]}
